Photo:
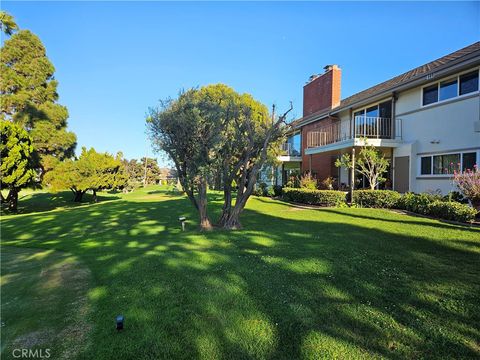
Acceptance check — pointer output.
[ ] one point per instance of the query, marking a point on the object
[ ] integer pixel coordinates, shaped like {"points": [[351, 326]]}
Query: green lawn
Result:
{"points": [[295, 283]]}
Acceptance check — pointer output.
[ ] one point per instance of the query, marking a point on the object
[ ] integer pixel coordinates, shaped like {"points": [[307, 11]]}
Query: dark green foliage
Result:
{"points": [[455, 196], [29, 98], [17, 162], [277, 190], [386, 199], [314, 197]]}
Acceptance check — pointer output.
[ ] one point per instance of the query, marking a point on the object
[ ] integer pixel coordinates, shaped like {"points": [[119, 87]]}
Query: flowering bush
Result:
{"points": [[468, 182], [307, 181]]}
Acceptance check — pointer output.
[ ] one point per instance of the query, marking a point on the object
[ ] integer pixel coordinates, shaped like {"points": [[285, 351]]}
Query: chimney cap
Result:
{"points": [[313, 77], [330, 67]]}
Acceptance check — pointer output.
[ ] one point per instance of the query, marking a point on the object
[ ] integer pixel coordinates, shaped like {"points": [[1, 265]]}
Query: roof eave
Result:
{"points": [[444, 70]]}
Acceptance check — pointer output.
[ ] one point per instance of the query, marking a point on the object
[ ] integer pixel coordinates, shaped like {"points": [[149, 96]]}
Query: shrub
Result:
{"points": [[376, 198], [258, 191], [328, 183], [417, 203], [277, 190], [314, 197], [455, 196], [468, 182], [308, 182], [269, 192], [451, 211]]}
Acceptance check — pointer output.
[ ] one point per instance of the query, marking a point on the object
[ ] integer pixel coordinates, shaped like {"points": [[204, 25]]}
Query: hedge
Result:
{"points": [[417, 203], [436, 206], [386, 199], [451, 211], [425, 204], [314, 197]]}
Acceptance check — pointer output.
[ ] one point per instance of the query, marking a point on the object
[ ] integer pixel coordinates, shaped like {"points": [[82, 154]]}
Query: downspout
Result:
{"points": [[394, 102]]}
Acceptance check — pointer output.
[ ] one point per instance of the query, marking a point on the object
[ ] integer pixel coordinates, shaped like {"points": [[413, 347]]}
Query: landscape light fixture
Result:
{"points": [[119, 320], [182, 219]]}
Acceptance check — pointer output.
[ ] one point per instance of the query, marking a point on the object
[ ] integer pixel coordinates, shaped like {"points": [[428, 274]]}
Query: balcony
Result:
{"points": [[344, 135], [289, 153]]}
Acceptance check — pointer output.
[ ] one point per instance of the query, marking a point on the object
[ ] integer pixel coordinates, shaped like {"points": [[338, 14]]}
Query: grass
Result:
{"points": [[295, 283]]}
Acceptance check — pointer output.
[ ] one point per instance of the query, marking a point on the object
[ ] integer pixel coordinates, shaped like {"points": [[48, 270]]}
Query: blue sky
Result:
{"points": [[115, 59]]}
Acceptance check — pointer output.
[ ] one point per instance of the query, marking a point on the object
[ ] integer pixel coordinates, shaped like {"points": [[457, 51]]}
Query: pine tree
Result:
{"points": [[28, 92]]}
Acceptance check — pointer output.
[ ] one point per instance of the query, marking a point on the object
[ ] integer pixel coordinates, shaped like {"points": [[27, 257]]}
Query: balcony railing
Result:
{"points": [[364, 127], [286, 149]]}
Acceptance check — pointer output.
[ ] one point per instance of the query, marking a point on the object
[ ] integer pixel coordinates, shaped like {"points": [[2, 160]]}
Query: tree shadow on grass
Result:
{"points": [[45, 201], [290, 285]]}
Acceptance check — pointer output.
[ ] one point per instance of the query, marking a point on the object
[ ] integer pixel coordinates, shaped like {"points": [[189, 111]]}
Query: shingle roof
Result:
{"points": [[395, 82], [409, 75]]}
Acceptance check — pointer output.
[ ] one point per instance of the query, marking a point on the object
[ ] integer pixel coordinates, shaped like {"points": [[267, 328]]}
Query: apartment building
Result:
{"points": [[425, 121]]}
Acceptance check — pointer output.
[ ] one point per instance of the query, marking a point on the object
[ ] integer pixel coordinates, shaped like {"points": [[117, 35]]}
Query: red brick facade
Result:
{"points": [[320, 94], [323, 92], [320, 165]]}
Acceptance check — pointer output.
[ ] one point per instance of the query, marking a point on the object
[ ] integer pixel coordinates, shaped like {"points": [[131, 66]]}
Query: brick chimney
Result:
{"points": [[322, 92]]}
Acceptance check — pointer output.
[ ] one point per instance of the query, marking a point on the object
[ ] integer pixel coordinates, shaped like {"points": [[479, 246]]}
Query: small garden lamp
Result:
{"points": [[119, 320], [182, 219]]}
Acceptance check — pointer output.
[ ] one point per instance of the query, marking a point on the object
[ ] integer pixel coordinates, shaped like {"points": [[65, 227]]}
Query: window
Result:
{"points": [[426, 167], [461, 85], [469, 161], [430, 94], [294, 146], [446, 164], [469, 83], [448, 89]]}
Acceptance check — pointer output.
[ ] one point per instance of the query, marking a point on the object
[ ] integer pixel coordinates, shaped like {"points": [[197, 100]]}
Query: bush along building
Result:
{"points": [[425, 121]]}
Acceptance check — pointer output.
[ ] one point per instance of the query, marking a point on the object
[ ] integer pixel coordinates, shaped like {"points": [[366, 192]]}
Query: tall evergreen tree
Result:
{"points": [[28, 92]]}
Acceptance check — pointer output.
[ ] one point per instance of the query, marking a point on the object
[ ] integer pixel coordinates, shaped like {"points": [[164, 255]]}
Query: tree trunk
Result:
{"points": [[233, 221], [12, 200], [94, 196], [78, 195], [227, 205], [205, 223]]}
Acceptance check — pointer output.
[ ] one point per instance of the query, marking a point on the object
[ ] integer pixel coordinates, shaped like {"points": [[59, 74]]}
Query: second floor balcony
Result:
{"points": [[361, 127], [287, 149]]}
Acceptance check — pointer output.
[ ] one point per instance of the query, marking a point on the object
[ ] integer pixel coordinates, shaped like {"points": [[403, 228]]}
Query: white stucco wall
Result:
{"points": [[435, 129]]}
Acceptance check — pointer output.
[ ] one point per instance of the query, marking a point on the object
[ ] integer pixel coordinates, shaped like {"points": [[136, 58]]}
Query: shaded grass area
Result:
{"points": [[44, 302], [31, 201], [295, 283]]}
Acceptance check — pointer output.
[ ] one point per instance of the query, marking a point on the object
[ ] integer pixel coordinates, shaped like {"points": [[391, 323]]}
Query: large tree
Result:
{"points": [[214, 132], [28, 92], [16, 166], [91, 171]]}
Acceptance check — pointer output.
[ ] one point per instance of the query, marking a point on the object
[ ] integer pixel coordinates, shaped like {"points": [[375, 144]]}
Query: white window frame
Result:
{"points": [[364, 108], [420, 175], [449, 78]]}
